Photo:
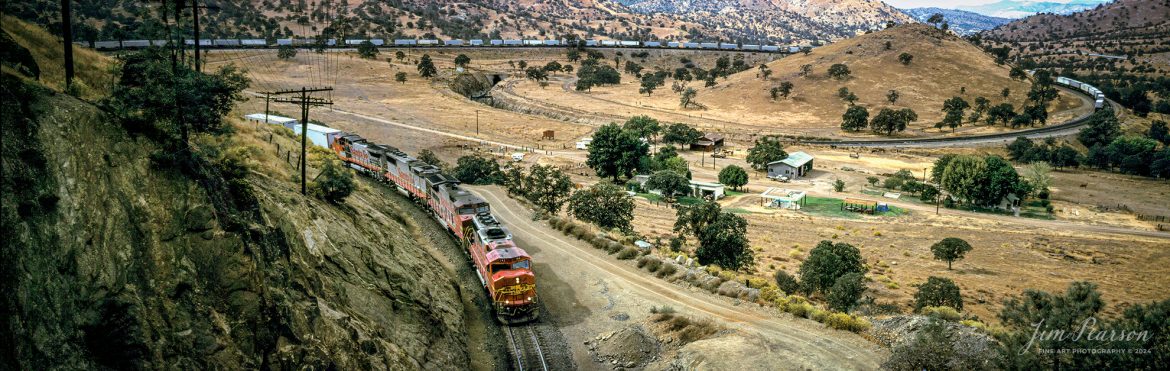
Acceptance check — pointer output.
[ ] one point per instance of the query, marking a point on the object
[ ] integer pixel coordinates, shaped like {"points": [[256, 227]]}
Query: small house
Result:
{"points": [[704, 190], [708, 142], [797, 165]]}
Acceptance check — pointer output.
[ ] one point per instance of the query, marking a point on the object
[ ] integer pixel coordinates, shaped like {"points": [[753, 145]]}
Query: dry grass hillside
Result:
{"points": [[91, 73], [942, 66]]}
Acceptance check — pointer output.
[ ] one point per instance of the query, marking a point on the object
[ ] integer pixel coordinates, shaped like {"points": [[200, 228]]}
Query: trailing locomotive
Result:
{"points": [[503, 267]]}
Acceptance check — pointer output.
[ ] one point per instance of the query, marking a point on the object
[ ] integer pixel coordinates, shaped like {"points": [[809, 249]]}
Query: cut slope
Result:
{"points": [[1122, 19], [942, 66]]}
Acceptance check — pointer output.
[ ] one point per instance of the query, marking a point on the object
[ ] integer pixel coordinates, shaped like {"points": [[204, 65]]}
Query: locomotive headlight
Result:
{"points": [[517, 279]]}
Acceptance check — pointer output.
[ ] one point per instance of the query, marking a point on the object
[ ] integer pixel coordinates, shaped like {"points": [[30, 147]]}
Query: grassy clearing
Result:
{"points": [[831, 207]]}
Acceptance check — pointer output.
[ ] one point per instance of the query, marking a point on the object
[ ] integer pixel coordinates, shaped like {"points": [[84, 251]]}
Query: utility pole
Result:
{"points": [[67, 33], [267, 99], [305, 101], [195, 18]]}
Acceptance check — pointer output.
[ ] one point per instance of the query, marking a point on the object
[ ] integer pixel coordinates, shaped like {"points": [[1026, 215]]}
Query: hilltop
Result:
{"points": [[747, 21], [943, 66], [1116, 21], [961, 21]]}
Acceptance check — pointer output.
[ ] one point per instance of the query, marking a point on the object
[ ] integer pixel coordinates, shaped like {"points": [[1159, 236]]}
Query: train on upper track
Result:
{"points": [[453, 43], [1099, 100], [503, 267]]}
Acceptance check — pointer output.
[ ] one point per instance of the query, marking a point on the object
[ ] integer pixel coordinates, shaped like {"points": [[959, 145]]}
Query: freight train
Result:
{"points": [[455, 43], [503, 267]]}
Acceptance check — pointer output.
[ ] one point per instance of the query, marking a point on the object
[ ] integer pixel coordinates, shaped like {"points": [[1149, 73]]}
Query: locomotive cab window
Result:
{"points": [[496, 267], [523, 264], [481, 208]]}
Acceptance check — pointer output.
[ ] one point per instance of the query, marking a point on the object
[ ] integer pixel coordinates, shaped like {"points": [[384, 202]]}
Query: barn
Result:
{"points": [[708, 142], [797, 165]]}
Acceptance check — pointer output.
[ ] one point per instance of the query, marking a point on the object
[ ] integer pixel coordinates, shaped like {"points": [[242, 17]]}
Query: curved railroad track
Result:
{"points": [[524, 344]]}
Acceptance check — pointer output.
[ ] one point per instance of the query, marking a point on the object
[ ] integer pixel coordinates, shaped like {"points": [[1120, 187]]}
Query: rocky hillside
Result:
{"points": [[110, 261], [789, 20], [746, 21], [1119, 21]]}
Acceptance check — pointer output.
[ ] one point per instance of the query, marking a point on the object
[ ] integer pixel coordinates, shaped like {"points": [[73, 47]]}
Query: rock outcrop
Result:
{"points": [[109, 261]]}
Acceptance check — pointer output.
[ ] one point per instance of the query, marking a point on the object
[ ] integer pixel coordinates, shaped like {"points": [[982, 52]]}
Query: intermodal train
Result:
{"points": [[503, 267], [455, 43], [1090, 90]]}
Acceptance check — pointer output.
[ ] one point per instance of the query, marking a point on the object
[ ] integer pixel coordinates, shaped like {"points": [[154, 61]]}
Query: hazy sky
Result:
{"points": [[946, 3]]}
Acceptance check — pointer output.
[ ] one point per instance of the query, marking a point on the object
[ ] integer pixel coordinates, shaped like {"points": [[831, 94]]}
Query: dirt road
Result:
{"points": [[588, 292]]}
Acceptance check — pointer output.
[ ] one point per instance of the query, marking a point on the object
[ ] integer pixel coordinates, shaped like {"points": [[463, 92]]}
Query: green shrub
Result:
{"points": [[799, 309], [943, 313], [599, 242], [786, 282], [727, 275], [667, 270], [842, 321], [614, 247], [757, 283], [665, 309], [627, 253], [818, 315]]}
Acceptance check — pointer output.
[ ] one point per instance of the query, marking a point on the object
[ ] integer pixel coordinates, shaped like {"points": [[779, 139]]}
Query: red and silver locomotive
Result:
{"points": [[503, 267]]}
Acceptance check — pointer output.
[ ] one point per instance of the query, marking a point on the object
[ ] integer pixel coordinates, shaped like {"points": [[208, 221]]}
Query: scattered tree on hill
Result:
{"points": [[553, 67], [477, 170], [682, 74], [426, 68], [604, 204], [687, 97], [334, 183], [1159, 132], [783, 90], [650, 82], [839, 71], [954, 113], [547, 187], [766, 150], [430, 158], [694, 219], [786, 282], [573, 55], [1003, 113], [145, 96], [935, 18], [522, 64], [1079, 305], [669, 182], [981, 181], [938, 292], [765, 72], [846, 291], [724, 242], [399, 55], [950, 249], [1006, 92], [615, 152], [805, 70], [892, 96], [888, 121], [681, 134], [1018, 73], [633, 68], [838, 185], [828, 262], [286, 52], [856, 118], [643, 126], [367, 50], [462, 60], [536, 74], [567, 68], [846, 95], [400, 77], [872, 180], [733, 176], [1100, 130], [905, 58]]}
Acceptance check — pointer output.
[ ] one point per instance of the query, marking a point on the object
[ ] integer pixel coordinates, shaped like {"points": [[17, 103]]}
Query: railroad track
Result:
{"points": [[524, 342]]}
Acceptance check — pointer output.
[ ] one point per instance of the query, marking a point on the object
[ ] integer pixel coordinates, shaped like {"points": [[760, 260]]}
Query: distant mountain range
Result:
{"points": [[960, 21], [1024, 8]]}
